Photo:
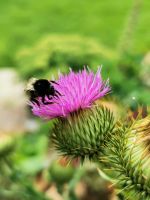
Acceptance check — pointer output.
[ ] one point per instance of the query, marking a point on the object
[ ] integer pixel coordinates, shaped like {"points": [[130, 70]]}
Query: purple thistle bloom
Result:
{"points": [[78, 90]]}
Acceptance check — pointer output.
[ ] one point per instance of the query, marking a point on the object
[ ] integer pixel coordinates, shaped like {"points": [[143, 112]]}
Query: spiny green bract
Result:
{"points": [[126, 159], [82, 133]]}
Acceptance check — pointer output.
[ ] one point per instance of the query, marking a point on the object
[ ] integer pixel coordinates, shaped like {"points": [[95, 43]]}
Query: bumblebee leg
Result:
{"points": [[55, 95], [35, 101], [54, 82], [58, 92], [43, 99], [50, 98], [45, 103]]}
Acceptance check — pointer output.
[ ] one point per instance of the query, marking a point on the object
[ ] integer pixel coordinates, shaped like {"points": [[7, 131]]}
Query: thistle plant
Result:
{"points": [[85, 129], [126, 156]]}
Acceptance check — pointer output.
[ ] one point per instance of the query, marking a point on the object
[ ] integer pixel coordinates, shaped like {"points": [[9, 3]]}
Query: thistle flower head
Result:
{"points": [[82, 124], [78, 91], [83, 134]]}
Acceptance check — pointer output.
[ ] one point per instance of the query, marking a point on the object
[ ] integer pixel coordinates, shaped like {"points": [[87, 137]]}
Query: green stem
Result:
{"points": [[129, 30]]}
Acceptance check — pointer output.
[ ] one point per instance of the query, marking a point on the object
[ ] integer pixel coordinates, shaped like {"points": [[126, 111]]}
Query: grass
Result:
{"points": [[23, 22]]}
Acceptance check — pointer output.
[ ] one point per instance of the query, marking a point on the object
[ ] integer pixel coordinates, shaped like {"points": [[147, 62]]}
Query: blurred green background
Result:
{"points": [[40, 38]]}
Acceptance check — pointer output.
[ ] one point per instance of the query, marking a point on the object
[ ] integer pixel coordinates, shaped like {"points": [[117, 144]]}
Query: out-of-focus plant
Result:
{"points": [[20, 162], [16, 153], [129, 63], [127, 38], [145, 70], [85, 129], [61, 50], [88, 189], [61, 173]]}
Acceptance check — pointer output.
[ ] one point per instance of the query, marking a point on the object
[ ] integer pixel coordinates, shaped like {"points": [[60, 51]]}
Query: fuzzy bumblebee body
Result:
{"points": [[30, 83], [41, 88]]}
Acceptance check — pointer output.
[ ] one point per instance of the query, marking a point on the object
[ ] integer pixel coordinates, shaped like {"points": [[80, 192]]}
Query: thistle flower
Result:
{"points": [[81, 124], [78, 91]]}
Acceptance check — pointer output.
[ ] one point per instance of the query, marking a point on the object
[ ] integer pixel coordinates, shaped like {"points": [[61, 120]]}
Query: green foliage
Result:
{"points": [[130, 28], [129, 64], [144, 73], [61, 174], [15, 185], [31, 149], [21, 157], [24, 22], [61, 50], [7, 146]]}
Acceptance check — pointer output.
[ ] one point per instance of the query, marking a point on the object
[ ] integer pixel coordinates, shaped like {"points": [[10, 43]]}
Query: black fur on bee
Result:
{"points": [[41, 88]]}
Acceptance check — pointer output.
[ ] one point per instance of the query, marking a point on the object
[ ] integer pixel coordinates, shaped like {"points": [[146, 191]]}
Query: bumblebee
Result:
{"points": [[41, 88]]}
